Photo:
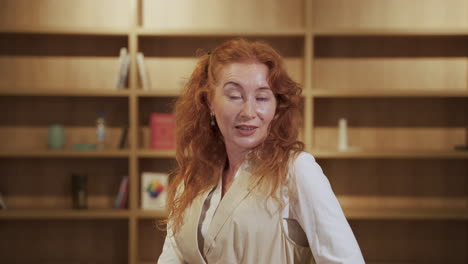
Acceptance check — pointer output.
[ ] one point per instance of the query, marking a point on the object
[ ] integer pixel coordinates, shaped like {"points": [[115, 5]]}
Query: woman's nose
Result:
{"points": [[248, 109]]}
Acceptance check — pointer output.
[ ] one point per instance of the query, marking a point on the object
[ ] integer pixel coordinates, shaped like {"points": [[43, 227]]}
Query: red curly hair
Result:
{"points": [[200, 149]]}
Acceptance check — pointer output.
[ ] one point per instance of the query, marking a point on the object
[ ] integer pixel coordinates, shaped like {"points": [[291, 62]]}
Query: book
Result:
{"points": [[2, 203], [162, 131], [123, 138], [122, 195], [154, 190], [143, 72], [124, 63]]}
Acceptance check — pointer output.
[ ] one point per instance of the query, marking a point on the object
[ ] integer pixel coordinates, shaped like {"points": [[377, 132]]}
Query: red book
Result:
{"points": [[162, 131]]}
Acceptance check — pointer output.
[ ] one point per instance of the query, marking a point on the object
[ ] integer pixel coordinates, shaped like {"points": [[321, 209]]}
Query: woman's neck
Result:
{"points": [[234, 162]]}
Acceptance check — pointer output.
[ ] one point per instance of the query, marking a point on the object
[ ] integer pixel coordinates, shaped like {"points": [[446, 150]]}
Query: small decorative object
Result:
{"points": [[162, 131], [2, 203], [154, 190], [342, 134], [79, 191], [56, 137], [101, 131]]}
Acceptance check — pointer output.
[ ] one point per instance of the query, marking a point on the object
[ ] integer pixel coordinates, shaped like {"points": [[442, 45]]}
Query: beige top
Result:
{"points": [[246, 228], [314, 219]]}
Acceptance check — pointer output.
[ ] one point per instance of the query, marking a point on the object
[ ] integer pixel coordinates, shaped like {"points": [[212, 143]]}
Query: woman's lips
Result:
{"points": [[246, 130]]}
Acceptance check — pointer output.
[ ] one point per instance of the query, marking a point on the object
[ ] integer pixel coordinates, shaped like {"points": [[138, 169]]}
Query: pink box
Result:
{"points": [[162, 131]]}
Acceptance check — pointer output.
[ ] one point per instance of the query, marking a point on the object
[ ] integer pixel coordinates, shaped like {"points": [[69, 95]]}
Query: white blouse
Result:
{"points": [[316, 209]]}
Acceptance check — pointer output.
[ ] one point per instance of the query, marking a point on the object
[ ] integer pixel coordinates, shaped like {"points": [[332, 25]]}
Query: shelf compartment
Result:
{"points": [[395, 188], [25, 126], [64, 214], [426, 126], [58, 62], [212, 14], [406, 64], [412, 241], [45, 185], [150, 240], [29, 15], [171, 60], [375, 14], [64, 241]]}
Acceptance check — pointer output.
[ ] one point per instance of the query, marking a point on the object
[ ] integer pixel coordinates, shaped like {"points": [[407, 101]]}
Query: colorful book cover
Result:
{"points": [[154, 190], [162, 131]]}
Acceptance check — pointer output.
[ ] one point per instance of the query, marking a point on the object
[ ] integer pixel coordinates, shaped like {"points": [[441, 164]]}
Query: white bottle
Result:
{"points": [[342, 134], [100, 131]]}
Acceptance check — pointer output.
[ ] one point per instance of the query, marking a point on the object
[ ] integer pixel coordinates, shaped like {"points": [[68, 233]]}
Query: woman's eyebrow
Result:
{"points": [[233, 83], [264, 88]]}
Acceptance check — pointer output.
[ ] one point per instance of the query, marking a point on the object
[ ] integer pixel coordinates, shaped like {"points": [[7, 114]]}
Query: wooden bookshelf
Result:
{"points": [[402, 31], [224, 32], [337, 93], [397, 70], [387, 154], [65, 154], [64, 214]]}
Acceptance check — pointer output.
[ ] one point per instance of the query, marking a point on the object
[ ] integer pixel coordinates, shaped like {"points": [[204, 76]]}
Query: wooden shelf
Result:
{"points": [[64, 154], [152, 214], [405, 214], [155, 93], [385, 93], [147, 153], [67, 31], [65, 92], [63, 214], [214, 32], [400, 154], [390, 31]]}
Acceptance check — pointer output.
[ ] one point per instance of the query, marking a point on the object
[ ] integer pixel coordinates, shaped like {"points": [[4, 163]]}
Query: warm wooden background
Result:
{"points": [[396, 69]]}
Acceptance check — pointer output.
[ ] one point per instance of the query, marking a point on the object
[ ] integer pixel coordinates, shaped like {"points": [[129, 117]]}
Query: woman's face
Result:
{"points": [[244, 105]]}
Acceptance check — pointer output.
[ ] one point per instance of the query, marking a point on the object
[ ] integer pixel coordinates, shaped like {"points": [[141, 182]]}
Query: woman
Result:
{"points": [[245, 192]]}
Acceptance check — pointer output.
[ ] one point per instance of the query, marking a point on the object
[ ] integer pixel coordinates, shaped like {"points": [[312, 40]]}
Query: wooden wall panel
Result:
{"points": [[209, 14], [64, 241], [150, 239], [171, 60], [58, 13], [416, 242], [390, 14], [437, 74], [59, 62]]}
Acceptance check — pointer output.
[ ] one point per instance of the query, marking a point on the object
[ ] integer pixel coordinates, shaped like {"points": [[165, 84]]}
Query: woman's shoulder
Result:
{"points": [[304, 168], [301, 159]]}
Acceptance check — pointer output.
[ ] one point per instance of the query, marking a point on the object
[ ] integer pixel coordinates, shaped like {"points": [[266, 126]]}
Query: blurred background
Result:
{"points": [[86, 85]]}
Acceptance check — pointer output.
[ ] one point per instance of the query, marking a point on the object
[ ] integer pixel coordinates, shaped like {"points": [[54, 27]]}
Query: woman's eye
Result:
{"points": [[234, 97], [262, 99]]}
